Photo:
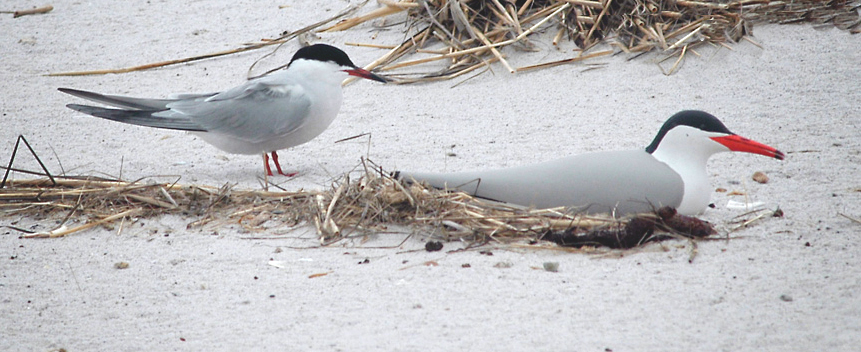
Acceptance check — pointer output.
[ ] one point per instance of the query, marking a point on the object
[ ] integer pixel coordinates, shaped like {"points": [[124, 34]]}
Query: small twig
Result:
{"points": [[566, 61], [850, 218], [290, 35], [708, 5], [598, 20], [748, 222], [493, 50], [380, 12], [75, 277], [33, 152], [694, 250], [167, 63], [678, 61], [685, 38], [33, 11], [62, 231], [283, 39], [593, 4], [330, 229], [352, 138], [393, 54], [367, 45]]}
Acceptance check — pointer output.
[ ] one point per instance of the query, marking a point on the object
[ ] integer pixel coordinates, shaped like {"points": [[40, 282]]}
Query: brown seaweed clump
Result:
{"points": [[641, 229]]}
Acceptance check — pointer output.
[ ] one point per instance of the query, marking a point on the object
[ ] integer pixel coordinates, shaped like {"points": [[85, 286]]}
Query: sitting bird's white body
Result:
{"points": [[669, 172]]}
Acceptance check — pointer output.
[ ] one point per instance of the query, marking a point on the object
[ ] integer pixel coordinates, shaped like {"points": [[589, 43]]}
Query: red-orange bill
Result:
{"points": [[738, 143], [363, 73]]}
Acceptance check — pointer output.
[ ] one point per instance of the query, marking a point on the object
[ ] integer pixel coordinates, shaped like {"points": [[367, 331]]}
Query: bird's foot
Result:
{"points": [[277, 166]]}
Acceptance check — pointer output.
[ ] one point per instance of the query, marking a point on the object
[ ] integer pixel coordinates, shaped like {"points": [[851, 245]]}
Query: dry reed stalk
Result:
{"points": [[671, 14], [604, 10], [684, 39], [506, 17], [33, 11], [566, 61], [850, 218], [100, 198], [63, 231], [591, 4], [380, 12], [368, 45], [469, 28], [659, 34], [675, 66], [395, 53], [708, 5], [687, 27], [167, 63], [525, 6], [281, 40], [493, 50]]}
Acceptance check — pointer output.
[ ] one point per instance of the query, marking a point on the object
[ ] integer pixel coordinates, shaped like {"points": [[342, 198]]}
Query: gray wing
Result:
{"points": [[120, 101], [257, 111], [139, 117], [135, 111]]}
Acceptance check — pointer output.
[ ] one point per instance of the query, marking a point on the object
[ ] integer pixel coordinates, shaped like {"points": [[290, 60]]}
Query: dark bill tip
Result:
{"points": [[362, 73]]}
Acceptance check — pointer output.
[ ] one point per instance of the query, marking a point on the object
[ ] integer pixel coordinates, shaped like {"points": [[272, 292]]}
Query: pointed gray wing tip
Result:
{"points": [[79, 107], [77, 92], [76, 107], [69, 90], [87, 109]]}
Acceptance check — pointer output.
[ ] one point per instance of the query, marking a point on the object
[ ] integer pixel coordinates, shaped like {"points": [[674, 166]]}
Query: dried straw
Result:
{"points": [[33, 11], [370, 203], [475, 31], [472, 32], [103, 201]]}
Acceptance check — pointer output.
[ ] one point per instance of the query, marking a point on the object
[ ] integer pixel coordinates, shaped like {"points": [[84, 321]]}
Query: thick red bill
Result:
{"points": [[363, 73], [738, 143]]}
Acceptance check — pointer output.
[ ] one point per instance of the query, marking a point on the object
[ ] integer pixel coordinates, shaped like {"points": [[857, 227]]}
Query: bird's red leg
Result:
{"points": [[266, 164], [278, 166]]}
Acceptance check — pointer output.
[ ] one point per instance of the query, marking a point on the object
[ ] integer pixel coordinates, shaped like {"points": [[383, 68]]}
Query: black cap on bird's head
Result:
{"points": [[706, 122], [323, 52], [328, 53], [694, 118]]}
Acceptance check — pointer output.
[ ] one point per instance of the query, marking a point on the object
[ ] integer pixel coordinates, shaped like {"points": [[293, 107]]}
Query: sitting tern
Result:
{"points": [[277, 111], [671, 171]]}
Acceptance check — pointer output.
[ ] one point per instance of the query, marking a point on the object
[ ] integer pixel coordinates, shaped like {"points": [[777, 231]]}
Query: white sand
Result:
{"points": [[787, 283]]}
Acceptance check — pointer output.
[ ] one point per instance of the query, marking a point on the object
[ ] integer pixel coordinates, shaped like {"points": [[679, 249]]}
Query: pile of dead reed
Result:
{"points": [[468, 35], [474, 31], [98, 201], [368, 204]]}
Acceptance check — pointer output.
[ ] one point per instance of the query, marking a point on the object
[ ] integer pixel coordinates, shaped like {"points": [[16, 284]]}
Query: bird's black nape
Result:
{"points": [[694, 118], [323, 52]]}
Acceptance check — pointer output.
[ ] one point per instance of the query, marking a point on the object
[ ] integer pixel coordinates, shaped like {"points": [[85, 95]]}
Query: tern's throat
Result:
{"points": [[686, 151]]}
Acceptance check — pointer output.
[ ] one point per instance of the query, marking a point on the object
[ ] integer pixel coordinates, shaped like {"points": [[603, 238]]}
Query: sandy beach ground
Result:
{"points": [[782, 284]]}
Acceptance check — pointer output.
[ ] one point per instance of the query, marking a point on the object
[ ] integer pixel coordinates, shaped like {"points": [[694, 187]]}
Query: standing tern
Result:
{"points": [[266, 114], [670, 171]]}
